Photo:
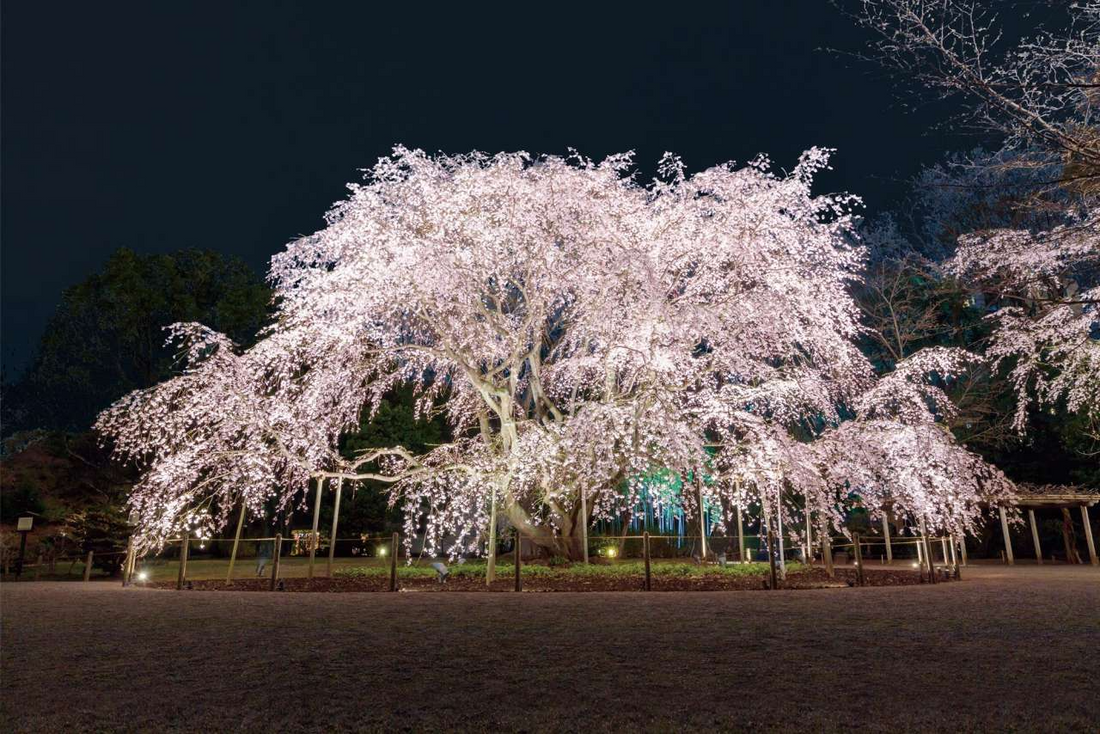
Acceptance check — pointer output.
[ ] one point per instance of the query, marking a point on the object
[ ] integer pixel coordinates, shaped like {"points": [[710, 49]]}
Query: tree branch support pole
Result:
{"points": [[931, 564], [779, 534], [315, 537], [886, 535], [961, 542], [519, 563], [702, 523], [394, 549], [645, 554], [809, 557], [1088, 536], [88, 566], [827, 552], [1008, 538], [276, 554], [740, 536], [236, 543], [773, 575], [1035, 536], [335, 524], [185, 547], [491, 564], [858, 552], [584, 526]]}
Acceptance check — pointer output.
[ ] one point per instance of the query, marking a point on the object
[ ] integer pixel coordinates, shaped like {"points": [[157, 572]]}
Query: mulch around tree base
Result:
{"points": [[815, 578]]}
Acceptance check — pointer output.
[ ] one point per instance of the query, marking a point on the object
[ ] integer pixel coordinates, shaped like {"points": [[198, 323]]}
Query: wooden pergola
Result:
{"points": [[1053, 496]]}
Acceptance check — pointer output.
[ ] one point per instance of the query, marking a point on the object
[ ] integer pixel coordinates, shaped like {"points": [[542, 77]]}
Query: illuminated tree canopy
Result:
{"points": [[579, 331]]}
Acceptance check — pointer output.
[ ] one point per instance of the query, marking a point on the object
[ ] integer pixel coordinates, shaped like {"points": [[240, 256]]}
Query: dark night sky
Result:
{"points": [[161, 126]]}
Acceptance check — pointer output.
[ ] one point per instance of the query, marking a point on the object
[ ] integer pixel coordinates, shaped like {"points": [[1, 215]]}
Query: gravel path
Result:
{"points": [[1008, 648]]}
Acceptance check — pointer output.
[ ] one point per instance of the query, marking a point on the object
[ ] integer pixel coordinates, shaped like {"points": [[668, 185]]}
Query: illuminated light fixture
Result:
{"points": [[381, 550], [143, 575], [611, 552]]}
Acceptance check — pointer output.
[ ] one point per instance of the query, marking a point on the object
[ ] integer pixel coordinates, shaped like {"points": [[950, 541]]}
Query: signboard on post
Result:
{"points": [[25, 524]]}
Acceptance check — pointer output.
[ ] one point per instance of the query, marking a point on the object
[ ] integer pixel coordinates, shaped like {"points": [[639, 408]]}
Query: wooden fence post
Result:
{"points": [[275, 555], [88, 566], [645, 554], [184, 547], [858, 552], [393, 563], [519, 563]]}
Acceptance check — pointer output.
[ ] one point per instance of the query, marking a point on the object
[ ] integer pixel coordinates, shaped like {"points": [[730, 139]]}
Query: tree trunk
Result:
{"points": [[1069, 537]]}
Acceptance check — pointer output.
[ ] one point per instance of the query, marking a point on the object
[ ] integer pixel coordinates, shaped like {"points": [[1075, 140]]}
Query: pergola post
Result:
{"points": [[1035, 536], [316, 520], [886, 535], [335, 523], [1008, 538], [1088, 536]]}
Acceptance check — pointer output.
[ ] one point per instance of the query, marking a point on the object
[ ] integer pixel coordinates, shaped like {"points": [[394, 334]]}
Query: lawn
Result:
{"points": [[1005, 649]]}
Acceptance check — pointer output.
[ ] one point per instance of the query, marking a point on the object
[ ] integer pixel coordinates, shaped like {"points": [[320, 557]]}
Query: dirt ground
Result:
{"points": [[1005, 649]]}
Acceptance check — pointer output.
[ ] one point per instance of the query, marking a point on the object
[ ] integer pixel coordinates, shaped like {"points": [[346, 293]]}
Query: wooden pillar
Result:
{"points": [[335, 524], [184, 548], [771, 559], [779, 533], [809, 539], [1035, 536], [702, 523], [1088, 536], [827, 552], [740, 537], [860, 579], [584, 526], [886, 535], [1008, 538], [943, 548], [236, 543], [519, 564], [962, 550], [393, 562], [929, 562], [276, 555], [88, 566], [316, 519], [645, 555]]}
